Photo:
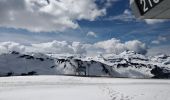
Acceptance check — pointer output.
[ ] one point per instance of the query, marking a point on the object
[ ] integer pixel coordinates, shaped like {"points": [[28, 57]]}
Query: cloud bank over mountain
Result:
{"points": [[113, 45], [116, 46], [11, 46]]}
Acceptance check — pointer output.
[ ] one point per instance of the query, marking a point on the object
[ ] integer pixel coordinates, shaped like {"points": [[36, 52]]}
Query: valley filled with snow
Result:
{"points": [[81, 88]]}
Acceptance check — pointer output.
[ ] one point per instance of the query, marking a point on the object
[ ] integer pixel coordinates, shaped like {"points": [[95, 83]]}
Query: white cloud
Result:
{"points": [[128, 16], [52, 47], [125, 16], [63, 47], [39, 15], [110, 2], [154, 21], [92, 34], [137, 46], [159, 40], [106, 3], [78, 48], [116, 46], [155, 42], [11, 46], [157, 50], [58, 47], [111, 46], [3, 49]]}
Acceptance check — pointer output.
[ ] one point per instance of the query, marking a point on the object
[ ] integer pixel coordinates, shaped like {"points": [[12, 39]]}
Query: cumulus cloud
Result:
{"points": [[136, 46], [111, 46], [93, 34], [11, 46], [116, 46], [79, 48], [58, 47], [63, 47], [157, 50], [47, 15], [52, 47]]}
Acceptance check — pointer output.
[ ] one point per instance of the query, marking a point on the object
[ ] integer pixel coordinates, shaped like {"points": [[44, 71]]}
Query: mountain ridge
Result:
{"points": [[128, 64]]}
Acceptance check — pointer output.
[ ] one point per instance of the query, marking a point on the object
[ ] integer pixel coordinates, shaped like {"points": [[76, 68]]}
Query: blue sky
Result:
{"points": [[118, 22]]}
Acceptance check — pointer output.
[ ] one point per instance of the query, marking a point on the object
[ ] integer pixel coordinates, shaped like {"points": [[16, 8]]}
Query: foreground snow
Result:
{"points": [[81, 88]]}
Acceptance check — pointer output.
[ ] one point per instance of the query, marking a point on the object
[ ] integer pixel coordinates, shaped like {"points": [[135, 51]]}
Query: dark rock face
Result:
{"points": [[105, 69], [29, 73], [61, 60], [41, 59], [14, 52], [52, 66], [160, 73], [9, 74], [26, 57], [122, 65]]}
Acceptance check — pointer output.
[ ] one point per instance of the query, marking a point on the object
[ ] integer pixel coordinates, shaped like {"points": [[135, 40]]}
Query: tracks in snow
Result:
{"points": [[115, 95]]}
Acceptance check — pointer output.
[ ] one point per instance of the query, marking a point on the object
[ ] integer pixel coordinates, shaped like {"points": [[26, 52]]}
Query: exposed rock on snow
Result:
{"points": [[126, 64]]}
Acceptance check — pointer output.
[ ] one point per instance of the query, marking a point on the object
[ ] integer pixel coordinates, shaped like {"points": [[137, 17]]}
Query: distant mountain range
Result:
{"points": [[128, 64]]}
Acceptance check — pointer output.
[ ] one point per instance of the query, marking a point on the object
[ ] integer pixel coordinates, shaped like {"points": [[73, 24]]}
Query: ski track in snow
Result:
{"points": [[115, 95]]}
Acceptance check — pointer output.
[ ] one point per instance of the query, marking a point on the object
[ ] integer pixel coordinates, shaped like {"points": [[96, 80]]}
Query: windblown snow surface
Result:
{"points": [[81, 88]]}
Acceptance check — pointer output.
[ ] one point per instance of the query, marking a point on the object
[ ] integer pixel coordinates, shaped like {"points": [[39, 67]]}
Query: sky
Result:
{"points": [[79, 26]]}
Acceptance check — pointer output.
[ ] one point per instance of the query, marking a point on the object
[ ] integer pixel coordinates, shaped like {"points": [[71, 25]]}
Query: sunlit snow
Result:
{"points": [[79, 88]]}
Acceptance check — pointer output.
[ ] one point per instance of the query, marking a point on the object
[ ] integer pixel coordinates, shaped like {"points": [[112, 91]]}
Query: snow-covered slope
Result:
{"points": [[81, 88], [126, 64], [15, 63]]}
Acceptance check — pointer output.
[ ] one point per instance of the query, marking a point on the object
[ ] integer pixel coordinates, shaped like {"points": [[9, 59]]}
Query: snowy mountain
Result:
{"points": [[127, 64]]}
